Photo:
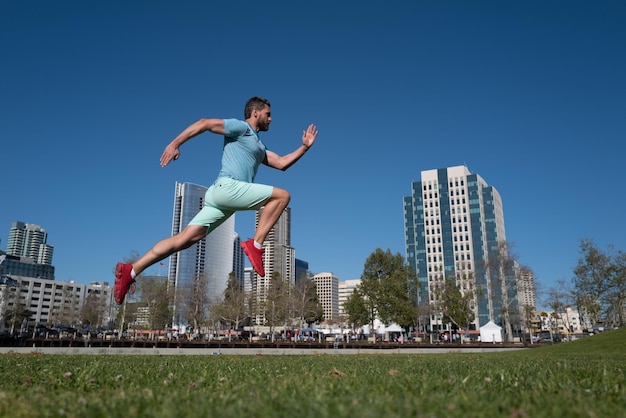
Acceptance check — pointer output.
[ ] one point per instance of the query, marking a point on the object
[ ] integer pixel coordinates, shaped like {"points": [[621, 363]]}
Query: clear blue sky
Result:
{"points": [[530, 95]]}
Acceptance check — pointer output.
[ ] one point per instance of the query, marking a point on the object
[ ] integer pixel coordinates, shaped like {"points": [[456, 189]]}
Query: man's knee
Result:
{"points": [[282, 194], [191, 235]]}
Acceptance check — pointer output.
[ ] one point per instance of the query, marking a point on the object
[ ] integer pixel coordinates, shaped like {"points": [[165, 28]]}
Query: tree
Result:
{"points": [[305, 303], [502, 267], [197, 300], [386, 283], [92, 313], [559, 298], [276, 304], [600, 284], [529, 311], [16, 315], [232, 308], [456, 306], [358, 311], [66, 310], [156, 296]]}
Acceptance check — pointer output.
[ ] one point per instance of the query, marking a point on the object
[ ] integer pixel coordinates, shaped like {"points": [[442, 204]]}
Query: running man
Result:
{"points": [[234, 189]]}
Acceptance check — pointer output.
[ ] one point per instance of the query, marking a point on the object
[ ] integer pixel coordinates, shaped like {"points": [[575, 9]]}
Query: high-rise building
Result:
{"points": [[327, 285], [302, 271], [205, 265], [526, 292], [454, 228], [345, 290], [278, 257], [29, 240]]}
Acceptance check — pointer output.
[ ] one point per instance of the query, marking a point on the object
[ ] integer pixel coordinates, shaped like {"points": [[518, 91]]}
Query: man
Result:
{"points": [[233, 190]]}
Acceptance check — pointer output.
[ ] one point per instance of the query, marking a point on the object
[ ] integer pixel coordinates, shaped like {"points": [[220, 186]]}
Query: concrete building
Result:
{"points": [[526, 292], [56, 303], [345, 289], [327, 285]]}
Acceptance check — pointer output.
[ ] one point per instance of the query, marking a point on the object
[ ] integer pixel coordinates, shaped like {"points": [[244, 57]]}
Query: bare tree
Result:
{"points": [[528, 313], [156, 296], [232, 309], [305, 303], [600, 284], [197, 301], [276, 304], [559, 299], [502, 266], [94, 307]]}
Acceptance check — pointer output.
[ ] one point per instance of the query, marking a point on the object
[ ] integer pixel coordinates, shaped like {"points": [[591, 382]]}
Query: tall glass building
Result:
{"points": [[454, 228], [278, 257], [211, 260]]}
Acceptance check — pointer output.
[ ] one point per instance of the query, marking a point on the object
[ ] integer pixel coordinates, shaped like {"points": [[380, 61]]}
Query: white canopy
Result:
{"points": [[394, 328], [382, 329], [491, 332]]}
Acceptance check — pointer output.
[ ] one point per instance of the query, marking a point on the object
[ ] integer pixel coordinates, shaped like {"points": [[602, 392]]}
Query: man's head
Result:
{"points": [[257, 112]]}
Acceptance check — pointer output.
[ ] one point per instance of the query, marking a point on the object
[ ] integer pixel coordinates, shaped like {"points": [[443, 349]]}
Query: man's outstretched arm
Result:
{"points": [[284, 162], [172, 151]]}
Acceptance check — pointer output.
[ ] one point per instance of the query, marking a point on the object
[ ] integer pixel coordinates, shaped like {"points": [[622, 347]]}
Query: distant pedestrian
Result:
{"points": [[234, 190]]}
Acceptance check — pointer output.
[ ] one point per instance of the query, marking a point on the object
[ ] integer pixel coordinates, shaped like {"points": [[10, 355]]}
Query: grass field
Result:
{"points": [[582, 378]]}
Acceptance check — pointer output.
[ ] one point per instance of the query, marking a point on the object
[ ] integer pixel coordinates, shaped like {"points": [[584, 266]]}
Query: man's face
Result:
{"points": [[264, 118]]}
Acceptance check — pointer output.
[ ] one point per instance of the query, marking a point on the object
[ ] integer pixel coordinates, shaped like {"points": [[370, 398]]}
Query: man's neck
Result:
{"points": [[253, 124]]}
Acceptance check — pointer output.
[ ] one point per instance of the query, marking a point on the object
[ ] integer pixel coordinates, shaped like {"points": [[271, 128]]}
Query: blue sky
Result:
{"points": [[529, 95]]}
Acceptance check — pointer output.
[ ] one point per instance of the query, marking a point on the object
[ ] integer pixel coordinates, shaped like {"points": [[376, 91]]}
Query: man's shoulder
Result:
{"points": [[235, 127]]}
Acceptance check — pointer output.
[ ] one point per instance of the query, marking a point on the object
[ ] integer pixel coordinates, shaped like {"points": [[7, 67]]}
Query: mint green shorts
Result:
{"points": [[227, 196]]}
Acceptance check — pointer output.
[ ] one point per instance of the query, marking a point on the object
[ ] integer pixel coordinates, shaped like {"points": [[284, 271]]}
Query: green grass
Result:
{"points": [[576, 379]]}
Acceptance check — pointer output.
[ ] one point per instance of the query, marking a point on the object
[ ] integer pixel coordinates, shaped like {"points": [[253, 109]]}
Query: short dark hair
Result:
{"points": [[257, 103]]}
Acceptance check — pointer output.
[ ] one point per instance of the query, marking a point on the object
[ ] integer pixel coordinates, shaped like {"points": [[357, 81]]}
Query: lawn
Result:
{"points": [[582, 378]]}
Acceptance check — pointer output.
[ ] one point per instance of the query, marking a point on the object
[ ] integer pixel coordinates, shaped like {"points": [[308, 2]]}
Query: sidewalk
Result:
{"points": [[240, 351]]}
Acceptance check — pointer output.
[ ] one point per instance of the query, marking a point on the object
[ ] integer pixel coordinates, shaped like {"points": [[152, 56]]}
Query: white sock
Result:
{"points": [[132, 273], [257, 245]]}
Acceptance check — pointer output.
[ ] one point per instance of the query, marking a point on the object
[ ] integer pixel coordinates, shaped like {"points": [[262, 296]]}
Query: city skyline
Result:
{"points": [[530, 96]]}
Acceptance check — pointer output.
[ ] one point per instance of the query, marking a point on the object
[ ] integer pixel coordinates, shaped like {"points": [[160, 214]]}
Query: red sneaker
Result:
{"points": [[255, 255], [123, 282]]}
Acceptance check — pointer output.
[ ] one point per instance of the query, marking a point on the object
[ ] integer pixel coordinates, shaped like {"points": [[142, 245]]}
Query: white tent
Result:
{"points": [[491, 333], [394, 328]]}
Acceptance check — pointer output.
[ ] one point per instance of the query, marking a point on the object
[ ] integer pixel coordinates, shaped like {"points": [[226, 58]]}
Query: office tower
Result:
{"points": [[239, 258], [302, 271], [278, 257], [327, 285], [205, 266], [29, 240], [345, 289], [454, 228], [526, 290]]}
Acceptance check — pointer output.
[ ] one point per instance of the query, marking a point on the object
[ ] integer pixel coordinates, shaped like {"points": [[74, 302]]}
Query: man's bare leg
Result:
{"points": [[272, 210], [168, 246]]}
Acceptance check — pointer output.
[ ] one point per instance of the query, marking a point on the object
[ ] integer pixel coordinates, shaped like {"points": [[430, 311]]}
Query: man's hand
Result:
{"points": [[308, 136], [170, 153]]}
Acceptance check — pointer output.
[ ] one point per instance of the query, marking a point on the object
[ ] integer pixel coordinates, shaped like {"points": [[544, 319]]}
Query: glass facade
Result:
{"points": [[212, 259]]}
